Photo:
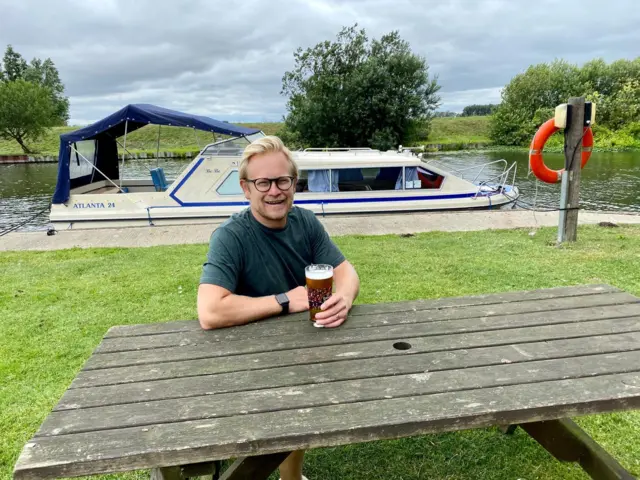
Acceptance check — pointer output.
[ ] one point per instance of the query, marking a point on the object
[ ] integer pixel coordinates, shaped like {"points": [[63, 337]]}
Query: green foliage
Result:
{"points": [[14, 66], [26, 110], [46, 74], [418, 131], [43, 73], [530, 97], [478, 110], [32, 98], [444, 114], [357, 93]]}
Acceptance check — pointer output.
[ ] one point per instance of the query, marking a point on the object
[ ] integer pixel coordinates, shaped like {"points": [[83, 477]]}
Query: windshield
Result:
{"points": [[231, 146]]}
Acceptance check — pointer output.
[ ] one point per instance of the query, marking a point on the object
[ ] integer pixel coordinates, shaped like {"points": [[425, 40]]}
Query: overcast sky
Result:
{"points": [[226, 59]]}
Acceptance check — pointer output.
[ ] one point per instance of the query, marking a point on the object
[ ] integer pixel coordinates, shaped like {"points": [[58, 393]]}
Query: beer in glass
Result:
{"points": [[319, 287]]}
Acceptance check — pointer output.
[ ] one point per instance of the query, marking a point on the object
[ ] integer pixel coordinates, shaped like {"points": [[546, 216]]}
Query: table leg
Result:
{"points": [[566, 441], [183, 472], [254, 468]]}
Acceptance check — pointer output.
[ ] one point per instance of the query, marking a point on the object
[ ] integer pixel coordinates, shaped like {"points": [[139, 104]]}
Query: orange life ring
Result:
{"points": [[536, 162]]}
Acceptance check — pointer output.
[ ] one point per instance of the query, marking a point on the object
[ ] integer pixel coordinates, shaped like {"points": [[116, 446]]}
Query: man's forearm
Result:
{"points": [[348, 283], [238, 310]]}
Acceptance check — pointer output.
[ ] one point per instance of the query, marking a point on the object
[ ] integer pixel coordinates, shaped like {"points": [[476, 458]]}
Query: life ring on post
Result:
{"points": [[536, 162]]}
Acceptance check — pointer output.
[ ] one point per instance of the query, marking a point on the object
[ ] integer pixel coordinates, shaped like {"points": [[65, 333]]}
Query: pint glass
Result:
{"points": [[319, 287]]}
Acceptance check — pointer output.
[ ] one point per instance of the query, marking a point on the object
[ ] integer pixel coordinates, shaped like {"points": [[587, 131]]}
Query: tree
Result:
{"points": [[530, 97], [446, 114], [43, 73], [26, 110], [478, 110], [355, 93], [14, 65]]}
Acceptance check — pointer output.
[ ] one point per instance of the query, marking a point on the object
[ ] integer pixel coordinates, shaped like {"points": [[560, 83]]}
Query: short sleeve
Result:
{"points": [[322, 247], [224, 260]]}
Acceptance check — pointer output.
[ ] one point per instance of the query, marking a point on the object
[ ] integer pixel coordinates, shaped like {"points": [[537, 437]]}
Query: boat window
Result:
{"points": [[78, 166], [429, 179], [230, 185], [255, 136], [321, 180], [411, 180], [231, 147], [366, 179]]}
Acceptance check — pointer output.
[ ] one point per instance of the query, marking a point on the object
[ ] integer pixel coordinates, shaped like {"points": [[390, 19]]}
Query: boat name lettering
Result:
{"points": [[95, 205]]}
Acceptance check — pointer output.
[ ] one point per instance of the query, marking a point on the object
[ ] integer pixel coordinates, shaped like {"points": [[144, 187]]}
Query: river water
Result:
{"points": [[610, 181]]}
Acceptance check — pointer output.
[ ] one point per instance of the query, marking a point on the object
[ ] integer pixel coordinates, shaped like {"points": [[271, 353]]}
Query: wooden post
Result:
{"points": [[570, 192]]}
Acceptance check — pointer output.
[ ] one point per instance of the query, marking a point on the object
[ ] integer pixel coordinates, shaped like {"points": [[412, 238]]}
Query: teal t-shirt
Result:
{"points": [[247, 258]]}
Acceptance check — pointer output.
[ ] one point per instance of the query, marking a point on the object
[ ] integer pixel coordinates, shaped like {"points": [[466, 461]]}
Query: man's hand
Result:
{"points": [[298, 300], [334, 311]]}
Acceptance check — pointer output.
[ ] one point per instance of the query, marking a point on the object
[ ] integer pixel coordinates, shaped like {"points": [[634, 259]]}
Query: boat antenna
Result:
{"points": [[158, 149], [126, 127]]}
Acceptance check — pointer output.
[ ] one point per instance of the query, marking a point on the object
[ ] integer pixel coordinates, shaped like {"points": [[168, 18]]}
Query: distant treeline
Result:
{"points": [[469, 111]]}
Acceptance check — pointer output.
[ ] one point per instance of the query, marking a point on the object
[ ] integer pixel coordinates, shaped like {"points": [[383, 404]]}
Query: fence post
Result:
{"points": [[570, 190]]}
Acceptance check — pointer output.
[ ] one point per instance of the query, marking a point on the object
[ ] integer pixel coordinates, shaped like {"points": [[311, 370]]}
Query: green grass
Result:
{"points": [[174, 139], [460, 130], [447, 130], [56, 306]]}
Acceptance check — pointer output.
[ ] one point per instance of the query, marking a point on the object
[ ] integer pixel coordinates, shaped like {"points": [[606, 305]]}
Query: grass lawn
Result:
{"points": [[144, 139], [459, 130], [56, 306], [176, 139]]}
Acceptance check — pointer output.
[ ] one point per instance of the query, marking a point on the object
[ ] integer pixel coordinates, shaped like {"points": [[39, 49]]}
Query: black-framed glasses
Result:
{"points": [[264, 184]]}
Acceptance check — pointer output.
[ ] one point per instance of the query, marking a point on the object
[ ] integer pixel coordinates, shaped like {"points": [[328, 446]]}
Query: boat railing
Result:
{"points": [[340, 149], [507, 171], [501, 179]]}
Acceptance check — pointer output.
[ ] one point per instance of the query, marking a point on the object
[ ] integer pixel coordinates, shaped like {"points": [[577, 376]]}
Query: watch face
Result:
{"points": [[282, 298]]}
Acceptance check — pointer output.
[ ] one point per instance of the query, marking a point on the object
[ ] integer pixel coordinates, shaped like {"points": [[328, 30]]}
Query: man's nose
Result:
{"points": [[273, 189]]}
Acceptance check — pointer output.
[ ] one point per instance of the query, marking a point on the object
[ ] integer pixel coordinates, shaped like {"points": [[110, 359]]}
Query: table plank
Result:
{"points": [[308, 395], [171, 369], [314, 338], [212, 439], [203, 385], [260, 330], [391, 307]]}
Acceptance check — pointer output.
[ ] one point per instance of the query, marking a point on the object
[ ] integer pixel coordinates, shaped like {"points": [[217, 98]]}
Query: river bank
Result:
{"points": [[446, 135]]}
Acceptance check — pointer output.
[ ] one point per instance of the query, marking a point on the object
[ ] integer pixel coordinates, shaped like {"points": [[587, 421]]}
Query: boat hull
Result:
{"points": [[65, 216]]}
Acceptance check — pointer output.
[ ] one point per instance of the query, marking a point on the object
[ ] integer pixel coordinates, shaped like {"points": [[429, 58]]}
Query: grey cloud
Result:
{"points": [[227, 59]]}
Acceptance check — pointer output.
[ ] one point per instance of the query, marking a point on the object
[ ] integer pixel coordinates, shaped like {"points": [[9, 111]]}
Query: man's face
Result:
{"points": [[271, 207]]}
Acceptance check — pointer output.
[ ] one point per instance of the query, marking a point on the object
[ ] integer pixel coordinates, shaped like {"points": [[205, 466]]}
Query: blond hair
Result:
{"points": [[267, 144]]}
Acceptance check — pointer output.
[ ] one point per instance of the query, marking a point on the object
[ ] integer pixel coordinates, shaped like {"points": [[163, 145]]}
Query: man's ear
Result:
{"points": [[245, 188]]}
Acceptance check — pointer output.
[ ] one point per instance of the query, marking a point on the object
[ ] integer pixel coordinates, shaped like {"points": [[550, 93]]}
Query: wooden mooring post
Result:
{"points": [[570, 190]]}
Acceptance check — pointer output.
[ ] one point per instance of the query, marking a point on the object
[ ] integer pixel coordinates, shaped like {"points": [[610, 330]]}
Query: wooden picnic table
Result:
{"points": [[175, 399]]}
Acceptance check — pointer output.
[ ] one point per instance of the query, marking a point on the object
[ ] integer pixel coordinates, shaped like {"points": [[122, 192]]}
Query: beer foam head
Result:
{"points": [[319, 273]]}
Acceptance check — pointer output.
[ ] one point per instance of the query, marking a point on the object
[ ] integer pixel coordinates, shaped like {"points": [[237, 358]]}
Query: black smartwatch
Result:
{"points": [[283, 300]]}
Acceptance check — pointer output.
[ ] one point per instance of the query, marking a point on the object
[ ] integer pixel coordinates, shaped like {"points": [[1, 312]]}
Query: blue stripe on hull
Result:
{"points": [[326, 201]]}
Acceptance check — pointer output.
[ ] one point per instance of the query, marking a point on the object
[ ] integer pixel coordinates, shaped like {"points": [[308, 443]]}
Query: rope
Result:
{"points": [[17, 226]]}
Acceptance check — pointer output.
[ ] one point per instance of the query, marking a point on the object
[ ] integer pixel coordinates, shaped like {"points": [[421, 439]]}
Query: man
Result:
{"points": [[256, 259]]}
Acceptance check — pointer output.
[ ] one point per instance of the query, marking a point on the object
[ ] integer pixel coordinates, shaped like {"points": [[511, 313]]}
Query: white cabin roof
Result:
{"points": [[354, 159]]}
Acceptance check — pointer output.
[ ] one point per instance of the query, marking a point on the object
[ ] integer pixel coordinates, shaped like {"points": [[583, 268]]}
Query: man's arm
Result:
{"points": [[218, 307], [335, 310]]}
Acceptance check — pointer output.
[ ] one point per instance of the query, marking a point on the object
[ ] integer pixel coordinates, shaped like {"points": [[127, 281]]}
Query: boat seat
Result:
{"points": [[353, 187], [159, 180]]}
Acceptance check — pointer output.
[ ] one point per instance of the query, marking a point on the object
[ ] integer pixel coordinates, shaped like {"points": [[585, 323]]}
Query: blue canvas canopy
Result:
{"points": [[98, 140]]}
